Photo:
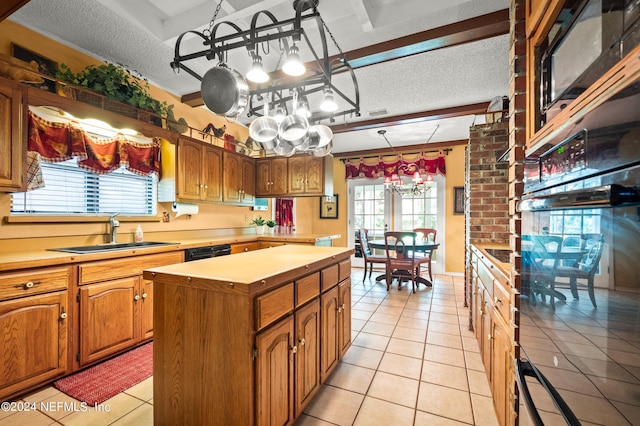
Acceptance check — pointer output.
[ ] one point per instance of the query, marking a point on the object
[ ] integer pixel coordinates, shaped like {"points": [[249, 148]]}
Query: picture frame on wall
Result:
{"points": [[329, 207], [45, 66], [458, 200]]}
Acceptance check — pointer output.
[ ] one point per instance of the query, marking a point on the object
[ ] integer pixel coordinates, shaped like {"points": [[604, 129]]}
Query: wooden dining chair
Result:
{"points": [[369, 258], [425, 258], [401, 257], [539, 265], [585, 267]]}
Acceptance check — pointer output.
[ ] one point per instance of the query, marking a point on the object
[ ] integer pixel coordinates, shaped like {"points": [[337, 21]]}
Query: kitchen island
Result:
{"points": [[248, 339]]}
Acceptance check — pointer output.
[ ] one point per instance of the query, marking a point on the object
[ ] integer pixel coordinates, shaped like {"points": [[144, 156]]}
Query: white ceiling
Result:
{"points": [[141, 35]]}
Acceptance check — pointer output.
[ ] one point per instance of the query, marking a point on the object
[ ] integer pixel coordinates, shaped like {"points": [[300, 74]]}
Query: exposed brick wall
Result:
{"points": [[488, 190]]}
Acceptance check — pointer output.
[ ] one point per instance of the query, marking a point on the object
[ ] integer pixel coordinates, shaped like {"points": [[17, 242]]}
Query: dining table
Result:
{"points": [[421, 246]]}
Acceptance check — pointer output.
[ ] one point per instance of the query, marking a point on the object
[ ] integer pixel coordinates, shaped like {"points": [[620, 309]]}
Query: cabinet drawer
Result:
{"points": [[307, 288], [36, 281], [104, 270], [243, 247], [501, 300], [273, 305], [330, 277], [270, 244], [344, 268]]}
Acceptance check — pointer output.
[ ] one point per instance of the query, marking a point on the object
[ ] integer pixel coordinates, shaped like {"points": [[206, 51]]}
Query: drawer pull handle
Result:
{"points": [[28, 285], [302, 341], [144, 295], [63, 314], [136, 297]]}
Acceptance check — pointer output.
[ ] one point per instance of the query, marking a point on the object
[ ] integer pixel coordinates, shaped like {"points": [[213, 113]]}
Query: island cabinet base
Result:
{"points": [[233, 347]]}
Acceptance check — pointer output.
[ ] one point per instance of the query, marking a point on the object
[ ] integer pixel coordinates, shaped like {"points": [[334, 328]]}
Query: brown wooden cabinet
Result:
{"points": [[238, 180], [245, 247], [34, 317], [491, 317], [271, 177], [305, 175], [13, 136], [262, 337], [191, 172], [116, 304]]}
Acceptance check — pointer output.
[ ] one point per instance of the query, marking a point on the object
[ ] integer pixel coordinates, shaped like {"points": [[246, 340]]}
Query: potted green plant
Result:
{"points": [[271, 224], [116, 83], [259, 223]]}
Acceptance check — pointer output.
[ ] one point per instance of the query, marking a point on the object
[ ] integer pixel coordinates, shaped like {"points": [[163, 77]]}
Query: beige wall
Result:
{"points": [[211, 217]]}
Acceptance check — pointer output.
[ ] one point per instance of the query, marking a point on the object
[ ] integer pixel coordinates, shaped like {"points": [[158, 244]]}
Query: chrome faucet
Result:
{"points": [[113, 224]]}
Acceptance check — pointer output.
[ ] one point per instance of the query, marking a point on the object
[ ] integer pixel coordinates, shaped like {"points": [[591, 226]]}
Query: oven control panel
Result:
{"points": [[567, 158]]}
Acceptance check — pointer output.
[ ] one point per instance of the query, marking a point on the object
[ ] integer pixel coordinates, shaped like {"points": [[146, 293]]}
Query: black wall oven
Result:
{"points": [[579, 329]]}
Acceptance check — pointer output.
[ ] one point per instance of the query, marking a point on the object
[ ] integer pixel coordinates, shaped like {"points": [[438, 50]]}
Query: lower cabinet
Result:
{"points": [[110, 318], [491, 319], [33, 347], [296, 331], [116, 305]]}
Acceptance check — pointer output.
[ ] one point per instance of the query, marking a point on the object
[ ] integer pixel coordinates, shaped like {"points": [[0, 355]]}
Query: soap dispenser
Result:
{"points": [[139, 236]]}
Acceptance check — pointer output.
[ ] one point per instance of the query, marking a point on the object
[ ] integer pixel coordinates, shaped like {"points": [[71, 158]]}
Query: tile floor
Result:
{"points": [[412, 362], [590, 355]]}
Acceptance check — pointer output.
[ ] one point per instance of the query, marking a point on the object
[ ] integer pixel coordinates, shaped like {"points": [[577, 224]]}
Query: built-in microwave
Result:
{"points": [[588, 38]]}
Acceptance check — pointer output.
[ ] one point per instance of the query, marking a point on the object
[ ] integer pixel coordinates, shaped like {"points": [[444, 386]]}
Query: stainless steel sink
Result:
{"points": [[111, 247]]}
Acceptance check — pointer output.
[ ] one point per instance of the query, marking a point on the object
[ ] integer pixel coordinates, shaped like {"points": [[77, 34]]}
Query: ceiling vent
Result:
{"points": [[378, 112]]}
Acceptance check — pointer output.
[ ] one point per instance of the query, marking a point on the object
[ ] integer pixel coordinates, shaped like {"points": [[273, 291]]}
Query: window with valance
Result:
{"points": [[402, 165]]}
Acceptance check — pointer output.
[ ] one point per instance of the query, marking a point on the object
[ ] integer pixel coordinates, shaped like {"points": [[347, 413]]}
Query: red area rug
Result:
{"points": [[98, 383]]}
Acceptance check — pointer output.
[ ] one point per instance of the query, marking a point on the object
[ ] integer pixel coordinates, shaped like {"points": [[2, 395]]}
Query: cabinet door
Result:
{"points": [[13, 133], [146, 309], [344, 318], [329, 345], [500, 370], [314, 181], [211, 174], [189, 170], [308, 355], [231, 180], [33, 347], [296, 174], [248, 182], [108, 321], [263, 178], [274, 374], [279, 176]]}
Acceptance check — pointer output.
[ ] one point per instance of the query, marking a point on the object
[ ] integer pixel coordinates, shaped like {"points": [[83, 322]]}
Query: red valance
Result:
{"points": [[62, 141], [402, 165]]}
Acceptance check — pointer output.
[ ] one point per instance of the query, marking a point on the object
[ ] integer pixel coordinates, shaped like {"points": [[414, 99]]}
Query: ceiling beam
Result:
{"points": [[416, 117], [430, 147], [8, 7], [467, 31]]}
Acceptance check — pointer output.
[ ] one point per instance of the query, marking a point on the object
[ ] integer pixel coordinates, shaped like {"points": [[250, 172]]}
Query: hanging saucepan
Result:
{"points": [[324, 133], [294, 129], [264, 129], [284, 149], [224, 91], [325, 150]]}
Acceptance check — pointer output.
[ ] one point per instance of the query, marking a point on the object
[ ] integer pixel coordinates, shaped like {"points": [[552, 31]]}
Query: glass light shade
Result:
{"points": [[293, 66], [256, 73], [328, 104], [417, 178]]}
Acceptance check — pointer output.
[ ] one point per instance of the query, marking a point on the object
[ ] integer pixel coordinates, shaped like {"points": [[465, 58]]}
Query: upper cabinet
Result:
{"points": [[191, 172], [238, 179], [13, 134], [271, 177], [306, 176]]}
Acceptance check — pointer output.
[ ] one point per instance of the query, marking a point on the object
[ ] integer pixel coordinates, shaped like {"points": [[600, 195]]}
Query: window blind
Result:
{"points": [[71, 190]]}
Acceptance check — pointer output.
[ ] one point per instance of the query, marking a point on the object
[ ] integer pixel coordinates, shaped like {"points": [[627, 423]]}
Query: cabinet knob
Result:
{"points": [[340, 309], [294, 349], [144, 295], [63, 314], [489, 336], [497, 301], [27, 285], [206, 186], [302, 341], [246, 249], [136, 297]]}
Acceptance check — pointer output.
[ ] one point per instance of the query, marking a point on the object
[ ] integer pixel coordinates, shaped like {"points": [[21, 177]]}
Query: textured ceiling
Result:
{"points": [[141, 35]]}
